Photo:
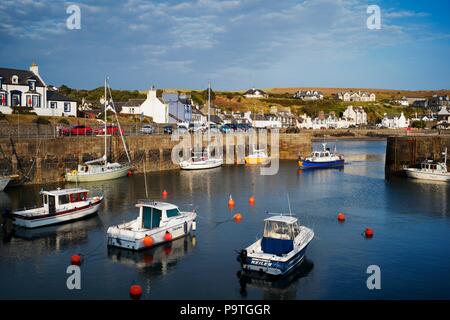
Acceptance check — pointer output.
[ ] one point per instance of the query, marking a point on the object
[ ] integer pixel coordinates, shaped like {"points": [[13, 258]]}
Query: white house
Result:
{"points": [[263, 121], [26, 89], [309, 95], [356, 116], [356, 96], [394, 122], [255, 93], [151, 107], [404, 102]]}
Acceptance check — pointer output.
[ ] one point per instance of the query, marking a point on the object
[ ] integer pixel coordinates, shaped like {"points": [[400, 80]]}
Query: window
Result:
{"points": [[16, 98], [63, 199], [53, 105], [172, 213], [66, 106], [277, 230], [1, 82], [31, 85], [3, 101], [15, 79], [36, 102]]}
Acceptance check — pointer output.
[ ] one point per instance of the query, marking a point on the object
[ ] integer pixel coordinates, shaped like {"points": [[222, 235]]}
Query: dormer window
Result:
{"points": [[15, 79], [1, 83], [32, 85]]}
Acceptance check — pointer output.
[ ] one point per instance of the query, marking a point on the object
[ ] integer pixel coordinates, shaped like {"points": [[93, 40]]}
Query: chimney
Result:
{"points": [[34, 68]]}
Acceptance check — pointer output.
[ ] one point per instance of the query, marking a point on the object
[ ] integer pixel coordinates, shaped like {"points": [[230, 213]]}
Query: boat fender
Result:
{"points": [[74, 172]]}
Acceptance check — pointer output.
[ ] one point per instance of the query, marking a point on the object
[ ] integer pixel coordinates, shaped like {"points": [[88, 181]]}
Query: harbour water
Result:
{"points": [[410, 220]]}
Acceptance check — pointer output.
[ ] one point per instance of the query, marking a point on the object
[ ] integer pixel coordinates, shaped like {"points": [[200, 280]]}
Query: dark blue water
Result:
{"points": [[410, 220]]}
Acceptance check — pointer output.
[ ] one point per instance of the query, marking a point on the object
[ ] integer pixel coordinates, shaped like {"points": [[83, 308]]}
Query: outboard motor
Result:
{"points": [[243, 257]]}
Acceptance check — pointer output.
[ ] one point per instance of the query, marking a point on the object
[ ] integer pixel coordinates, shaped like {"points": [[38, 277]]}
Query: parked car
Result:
{"points": [[147, 129], [111, 130], [80, 130], [195, 127], [225, 128], [168, 129]]}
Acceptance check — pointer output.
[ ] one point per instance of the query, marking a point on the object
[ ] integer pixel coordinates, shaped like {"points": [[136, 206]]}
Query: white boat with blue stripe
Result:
{"points": [[281, 248]]}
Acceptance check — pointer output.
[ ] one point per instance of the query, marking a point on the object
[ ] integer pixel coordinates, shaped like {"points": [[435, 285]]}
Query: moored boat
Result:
{"points": [[430, 170], [322, 159], [61, 205], [157, 222], [201, 160], [281, 248], [257, 157]]}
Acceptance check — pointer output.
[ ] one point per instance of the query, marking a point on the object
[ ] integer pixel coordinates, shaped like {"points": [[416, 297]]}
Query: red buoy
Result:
{"points": [[148, 241], [165, 194], [168, 236], [368, 233], [231, 202], [75, 259], [135, 291], [341, 217], [237, 217], [251, 200], [130, 173]]}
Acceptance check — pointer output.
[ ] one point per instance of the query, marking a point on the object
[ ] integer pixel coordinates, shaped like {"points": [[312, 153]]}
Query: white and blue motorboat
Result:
{"points": [[281, 248], [322, 159]]}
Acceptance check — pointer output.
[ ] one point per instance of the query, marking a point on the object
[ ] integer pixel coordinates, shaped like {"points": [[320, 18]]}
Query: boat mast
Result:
{"points": [[106, 158], [209, 114]]}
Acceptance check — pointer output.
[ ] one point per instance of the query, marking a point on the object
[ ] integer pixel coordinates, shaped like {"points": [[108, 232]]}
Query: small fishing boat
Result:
{"points": [[322, 159], [158, 222], [61, 205], [281, 248], [257, 157], [4, 180], [430, 170]]}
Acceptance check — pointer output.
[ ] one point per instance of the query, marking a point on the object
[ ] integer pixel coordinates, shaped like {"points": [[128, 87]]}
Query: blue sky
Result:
{"points": [[236, 44]]}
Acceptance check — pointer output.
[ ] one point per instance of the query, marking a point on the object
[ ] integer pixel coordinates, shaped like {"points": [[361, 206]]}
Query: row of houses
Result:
{"points": [[352, 117], [26, 90], [434, 104]]}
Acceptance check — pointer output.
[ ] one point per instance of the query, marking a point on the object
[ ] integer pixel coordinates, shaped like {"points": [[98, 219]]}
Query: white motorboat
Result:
{"points": [[430, 170], [101, 169], [281, 248], [158, 222], [203, 160], [4, 180], [61, 205]]}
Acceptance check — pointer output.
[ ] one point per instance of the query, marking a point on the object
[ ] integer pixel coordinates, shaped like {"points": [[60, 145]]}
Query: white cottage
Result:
{"points": [[153, 106], [26, 89], [255, 93], [355, 116], [394, 122]]}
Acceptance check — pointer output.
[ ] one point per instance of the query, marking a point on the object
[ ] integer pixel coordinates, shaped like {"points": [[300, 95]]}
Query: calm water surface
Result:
{"points": [[410, 220]]}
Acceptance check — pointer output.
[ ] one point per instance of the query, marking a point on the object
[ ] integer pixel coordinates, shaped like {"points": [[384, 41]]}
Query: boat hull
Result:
{"points": [[306, 164], [135, 241], [3, 183], [416, 174], [57, 218], [100, 176], [252, 160], [272, 267]]}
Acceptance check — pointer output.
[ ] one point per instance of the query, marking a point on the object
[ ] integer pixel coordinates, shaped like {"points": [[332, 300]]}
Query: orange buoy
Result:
{"points": [[251, 200], [237, 217], [135, 291], [341, 217], [130, 173], [165, 194], [148, 241], [168, 236], [231, 202], [368, 233], [75, 259]]}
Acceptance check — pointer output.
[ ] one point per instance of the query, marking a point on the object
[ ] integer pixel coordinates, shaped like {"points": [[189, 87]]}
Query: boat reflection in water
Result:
{"points": [[57, 237], [274, 287], [158, 260]]}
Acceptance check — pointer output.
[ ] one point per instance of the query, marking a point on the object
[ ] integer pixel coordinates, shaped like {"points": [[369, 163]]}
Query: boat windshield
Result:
{"points": [[278, 230], [172, 213]]}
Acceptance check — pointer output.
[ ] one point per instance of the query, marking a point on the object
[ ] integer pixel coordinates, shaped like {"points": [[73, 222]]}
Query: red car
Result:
{"points": [[110, 130], [80, 130]]}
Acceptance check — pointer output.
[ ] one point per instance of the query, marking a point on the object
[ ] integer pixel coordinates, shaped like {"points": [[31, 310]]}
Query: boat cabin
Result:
{"points": [[55, 199], [432, 166], [152, 213], [279, 234], [320, 154]]}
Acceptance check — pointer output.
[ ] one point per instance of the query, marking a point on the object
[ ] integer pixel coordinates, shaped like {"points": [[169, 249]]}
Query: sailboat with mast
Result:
{"points": [[203, 159], [101, 169]]}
